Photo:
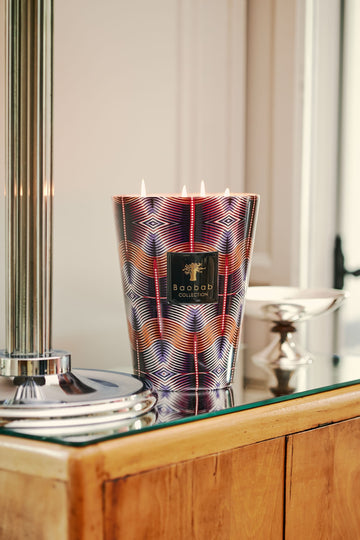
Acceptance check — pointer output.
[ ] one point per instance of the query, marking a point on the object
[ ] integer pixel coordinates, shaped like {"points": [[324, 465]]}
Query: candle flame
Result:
{"points": [[202, 189], [21, 190], [143, 188], [227, 192], [184, 191]]}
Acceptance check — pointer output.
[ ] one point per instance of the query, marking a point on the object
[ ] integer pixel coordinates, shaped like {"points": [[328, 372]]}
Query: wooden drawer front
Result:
{"points": [[235, 494], [323, 483]]}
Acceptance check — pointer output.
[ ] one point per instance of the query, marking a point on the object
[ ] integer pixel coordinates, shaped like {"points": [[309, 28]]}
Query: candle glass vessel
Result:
{"points": [[185, 268]]}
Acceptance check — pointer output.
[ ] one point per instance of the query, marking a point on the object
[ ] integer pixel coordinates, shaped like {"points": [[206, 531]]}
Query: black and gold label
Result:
{"points": [[192, 278]]}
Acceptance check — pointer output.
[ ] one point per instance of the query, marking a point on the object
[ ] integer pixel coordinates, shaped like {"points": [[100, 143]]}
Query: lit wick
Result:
{"points": [[202, 189], [184, 191], [227, 192], [143, 189]]}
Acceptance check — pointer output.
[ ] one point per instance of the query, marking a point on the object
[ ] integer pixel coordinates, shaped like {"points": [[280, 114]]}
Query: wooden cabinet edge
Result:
{"points": [[85, 471], [36, 458], [161, 447]]}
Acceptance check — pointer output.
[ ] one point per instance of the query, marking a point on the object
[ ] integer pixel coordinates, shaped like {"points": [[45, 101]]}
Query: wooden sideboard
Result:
{"points": [[289, 469]]}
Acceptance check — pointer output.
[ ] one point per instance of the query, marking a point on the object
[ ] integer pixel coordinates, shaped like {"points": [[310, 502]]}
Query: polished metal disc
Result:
{"points": [[82, 433], [51, 363], [72, 402]]}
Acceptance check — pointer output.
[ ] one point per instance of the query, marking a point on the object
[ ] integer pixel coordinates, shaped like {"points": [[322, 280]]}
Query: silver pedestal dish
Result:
{"points": [[284, 308]]}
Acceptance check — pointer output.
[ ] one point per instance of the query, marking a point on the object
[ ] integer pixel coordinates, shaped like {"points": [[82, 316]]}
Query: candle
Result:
{"points": [[185, 268]]}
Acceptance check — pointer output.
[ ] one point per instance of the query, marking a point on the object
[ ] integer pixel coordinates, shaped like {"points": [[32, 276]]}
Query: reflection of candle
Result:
{"points": [[184, 263], [176, 405]]}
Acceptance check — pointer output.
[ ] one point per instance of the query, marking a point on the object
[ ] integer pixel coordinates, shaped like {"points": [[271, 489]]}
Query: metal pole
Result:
{"points": [[37, 385], [29, 186], [29, 190], [38, 391]]}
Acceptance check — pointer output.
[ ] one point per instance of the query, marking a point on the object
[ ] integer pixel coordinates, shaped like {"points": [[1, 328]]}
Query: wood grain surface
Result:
{"points": [[237, 494], [323, 483], [213, 475], [32, 507], [162, 447]]}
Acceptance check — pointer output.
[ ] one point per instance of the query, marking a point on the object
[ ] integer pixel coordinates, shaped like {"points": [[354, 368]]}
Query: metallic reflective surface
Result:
{"points": [[291, 304], [284, 307], [73, 401], [38, 391], [54, 363], [29, 188], [86, 434], [174, 408]]}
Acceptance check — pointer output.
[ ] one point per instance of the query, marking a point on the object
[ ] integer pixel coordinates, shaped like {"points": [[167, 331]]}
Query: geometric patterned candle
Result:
{"points": [[185, 268]]}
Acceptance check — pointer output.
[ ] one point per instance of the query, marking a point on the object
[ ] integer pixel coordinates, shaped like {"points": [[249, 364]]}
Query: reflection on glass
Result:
{"points": [[106, 431], [324, 373], [282, 381], [176, 405]]}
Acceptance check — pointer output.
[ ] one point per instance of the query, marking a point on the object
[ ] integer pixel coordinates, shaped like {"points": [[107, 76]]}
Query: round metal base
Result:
{"points": [[33, 366], [79, 401]]}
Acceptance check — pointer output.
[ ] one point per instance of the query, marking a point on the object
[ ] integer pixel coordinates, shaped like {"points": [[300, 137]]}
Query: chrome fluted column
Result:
{"points": [[39, 394], [29, 184]]}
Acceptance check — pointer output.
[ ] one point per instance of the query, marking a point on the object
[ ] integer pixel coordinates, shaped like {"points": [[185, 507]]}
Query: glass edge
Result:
{"points": [[180, 421]]}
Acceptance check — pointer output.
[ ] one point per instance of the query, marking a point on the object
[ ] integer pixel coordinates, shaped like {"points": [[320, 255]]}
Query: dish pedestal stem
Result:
{"points": [[282, 357], [283, 351]]}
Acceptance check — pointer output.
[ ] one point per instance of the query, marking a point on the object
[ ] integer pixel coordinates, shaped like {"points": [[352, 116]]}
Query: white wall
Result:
{"points": [[114, 123], [174, 91], [141, 89]]}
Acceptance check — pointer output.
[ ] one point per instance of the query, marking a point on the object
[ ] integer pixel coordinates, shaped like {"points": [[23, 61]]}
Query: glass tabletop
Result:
{"points": [[173, 408]]}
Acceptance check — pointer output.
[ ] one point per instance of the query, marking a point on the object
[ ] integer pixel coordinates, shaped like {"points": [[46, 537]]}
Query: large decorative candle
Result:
{"points": [[185, 267]]}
